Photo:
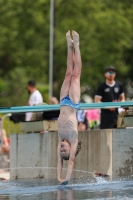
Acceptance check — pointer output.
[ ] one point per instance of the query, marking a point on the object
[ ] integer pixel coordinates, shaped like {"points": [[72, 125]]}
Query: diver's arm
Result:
{"points": [[71, 160], [60, 164]]}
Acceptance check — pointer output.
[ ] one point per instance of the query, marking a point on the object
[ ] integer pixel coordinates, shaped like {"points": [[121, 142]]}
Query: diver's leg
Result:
{"points": [[74, 92], [70, 64]]}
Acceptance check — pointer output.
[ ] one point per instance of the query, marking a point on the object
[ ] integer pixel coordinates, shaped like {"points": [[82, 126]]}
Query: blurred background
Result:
{"points": [[106, 34]]}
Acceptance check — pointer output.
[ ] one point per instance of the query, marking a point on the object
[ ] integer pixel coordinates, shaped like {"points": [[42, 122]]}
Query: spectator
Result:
{"points": [[80, 115], [82, 120], [55, 114], [47, 115], [109, 91], [53, 100], [93, 118], [81, 126], [35, 97], [4, 141]]}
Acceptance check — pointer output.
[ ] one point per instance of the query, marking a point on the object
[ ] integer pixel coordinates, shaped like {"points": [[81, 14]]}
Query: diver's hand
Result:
{"points": [[64, 182]]}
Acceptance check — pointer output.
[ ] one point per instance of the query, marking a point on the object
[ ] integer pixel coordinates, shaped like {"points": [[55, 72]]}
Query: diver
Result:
{"points": [[69, 146]]}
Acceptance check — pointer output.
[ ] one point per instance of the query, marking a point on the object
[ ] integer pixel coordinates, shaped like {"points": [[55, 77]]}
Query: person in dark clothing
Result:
{"points": [[109, 91]]}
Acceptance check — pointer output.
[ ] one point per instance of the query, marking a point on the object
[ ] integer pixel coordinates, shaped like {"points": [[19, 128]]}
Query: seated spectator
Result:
{"points": [[53, 100], [93, 117], [81, 126], [126, 112], [82, 120], [80, 115], [46, 115], [4, 141]]}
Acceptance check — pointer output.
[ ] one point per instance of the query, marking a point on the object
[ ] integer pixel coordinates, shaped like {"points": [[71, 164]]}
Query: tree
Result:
{"points": [[24, 45], [106, 33]]}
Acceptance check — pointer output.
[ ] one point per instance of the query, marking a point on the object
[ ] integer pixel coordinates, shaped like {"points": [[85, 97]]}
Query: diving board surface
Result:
{"points": [[84, 106]]}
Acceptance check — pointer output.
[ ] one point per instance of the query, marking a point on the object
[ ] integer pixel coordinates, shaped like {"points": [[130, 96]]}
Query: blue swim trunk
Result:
{"points": [[67, 102]]}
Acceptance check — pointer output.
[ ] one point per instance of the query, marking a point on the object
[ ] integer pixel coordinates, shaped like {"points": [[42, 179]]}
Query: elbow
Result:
{"points": [[96, 100]]}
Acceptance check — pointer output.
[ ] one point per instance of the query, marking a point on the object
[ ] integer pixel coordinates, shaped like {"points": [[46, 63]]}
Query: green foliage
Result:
{"points": [[23, 48], [13, 88], [10, 127], [24, 29], [105, 29], [44, 89]]}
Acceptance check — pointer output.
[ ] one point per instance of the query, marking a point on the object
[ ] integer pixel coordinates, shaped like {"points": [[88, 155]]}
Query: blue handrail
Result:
{"points": [[39, 108]]}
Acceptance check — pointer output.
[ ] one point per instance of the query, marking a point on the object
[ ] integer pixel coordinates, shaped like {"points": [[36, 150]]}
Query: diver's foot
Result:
{"points": [[75, 39], [69, 39]]}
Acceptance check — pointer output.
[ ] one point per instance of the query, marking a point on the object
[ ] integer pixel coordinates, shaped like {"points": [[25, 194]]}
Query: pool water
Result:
{"points": [[77, 189]]}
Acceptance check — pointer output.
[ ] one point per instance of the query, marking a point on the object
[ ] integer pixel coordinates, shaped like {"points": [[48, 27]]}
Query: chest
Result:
{"points": [[111, 93], [68, 130]]}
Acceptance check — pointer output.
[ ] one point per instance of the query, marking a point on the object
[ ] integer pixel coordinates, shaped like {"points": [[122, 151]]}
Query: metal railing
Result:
{"points": [[39, 108]]}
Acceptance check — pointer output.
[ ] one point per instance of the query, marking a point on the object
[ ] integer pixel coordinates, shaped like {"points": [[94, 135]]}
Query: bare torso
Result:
{"points": [[67, 124]]}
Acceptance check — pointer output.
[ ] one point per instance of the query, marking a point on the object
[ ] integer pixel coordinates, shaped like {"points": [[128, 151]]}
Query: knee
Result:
{"points": [[76, 74], [68, 72]]}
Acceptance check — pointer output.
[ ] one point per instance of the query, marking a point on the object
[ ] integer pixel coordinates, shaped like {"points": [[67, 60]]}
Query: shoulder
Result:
{"points": [[37, 93], [118, 84], [102, 85]]}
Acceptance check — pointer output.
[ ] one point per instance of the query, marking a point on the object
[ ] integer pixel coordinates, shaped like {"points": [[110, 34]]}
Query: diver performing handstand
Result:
{"points": [[68, 146]]}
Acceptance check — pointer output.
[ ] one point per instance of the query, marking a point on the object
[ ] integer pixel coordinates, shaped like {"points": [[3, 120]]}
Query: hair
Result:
{"points": [[32, 83], [77, 151]]}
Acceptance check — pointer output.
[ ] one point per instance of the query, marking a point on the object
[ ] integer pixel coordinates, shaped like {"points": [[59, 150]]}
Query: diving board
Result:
{"points": [[84, 106]]}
